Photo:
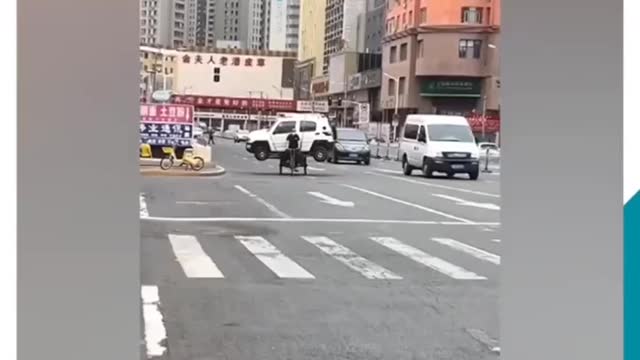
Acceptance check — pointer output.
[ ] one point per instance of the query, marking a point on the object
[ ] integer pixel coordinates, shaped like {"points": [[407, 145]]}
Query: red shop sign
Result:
{"points": [[220, 102], [491, 124]]}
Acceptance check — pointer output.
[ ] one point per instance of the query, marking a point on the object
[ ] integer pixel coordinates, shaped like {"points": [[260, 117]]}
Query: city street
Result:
{"points": [[350, 262]]}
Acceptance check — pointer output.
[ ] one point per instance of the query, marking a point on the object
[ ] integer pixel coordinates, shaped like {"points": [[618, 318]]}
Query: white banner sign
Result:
{"points": [[364, 113], [313, 106]]}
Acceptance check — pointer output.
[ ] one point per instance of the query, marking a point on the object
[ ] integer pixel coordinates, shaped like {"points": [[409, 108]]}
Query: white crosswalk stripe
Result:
{"points": [[196, 264], [430, 261], [272, 258], [194, 261], [365, 267], [470, 250]]}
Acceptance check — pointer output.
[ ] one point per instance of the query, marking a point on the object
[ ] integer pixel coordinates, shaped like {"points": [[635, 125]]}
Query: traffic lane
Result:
{"points": [[332, 196], [306, 322], [216, 316], [199, 197], [476, 206], [486, 181]]}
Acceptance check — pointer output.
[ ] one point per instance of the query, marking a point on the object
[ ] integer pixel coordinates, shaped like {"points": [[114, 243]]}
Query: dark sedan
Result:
{"points": [[350, 145]]}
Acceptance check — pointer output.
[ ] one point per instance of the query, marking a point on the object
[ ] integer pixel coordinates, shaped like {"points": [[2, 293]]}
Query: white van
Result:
{"points": [[439, 143], [316, 136]]}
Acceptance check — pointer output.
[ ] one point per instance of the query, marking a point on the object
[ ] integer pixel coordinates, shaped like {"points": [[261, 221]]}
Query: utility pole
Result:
{"points": [[396, 116], [484, 116], [344, 99]]}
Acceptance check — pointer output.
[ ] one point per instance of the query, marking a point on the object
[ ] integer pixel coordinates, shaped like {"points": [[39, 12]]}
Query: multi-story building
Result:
{"points": [[283, 25], [440, 56], [156, 22], [344, 29], [219, 23], [219, 72], [375, 21], [310, 46]]}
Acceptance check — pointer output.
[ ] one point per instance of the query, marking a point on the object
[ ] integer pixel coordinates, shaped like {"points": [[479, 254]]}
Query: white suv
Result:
{"points": [[316, 137]]}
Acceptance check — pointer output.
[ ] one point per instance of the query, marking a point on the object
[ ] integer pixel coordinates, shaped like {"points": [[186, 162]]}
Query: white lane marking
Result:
{"points": [[316, 169], [144, 212], [331, 201], [154, 331], [192, 203], [365, 267], [318, 220], [194, 261], [424, 208], [245, 158], [468, 249], [269, 206], [425, 183], [483, 338], [496, 240], [427, 260], [275, 260], [462, 202], [389, 171]]}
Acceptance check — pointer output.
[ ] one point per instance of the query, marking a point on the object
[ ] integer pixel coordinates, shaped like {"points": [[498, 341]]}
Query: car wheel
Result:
{"points": [[406, 168], [474, 175], [261, 153], [367, 162], [426, 170], [320, 153]]}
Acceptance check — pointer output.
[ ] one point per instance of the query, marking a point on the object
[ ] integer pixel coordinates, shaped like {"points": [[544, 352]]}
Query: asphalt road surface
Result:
{"points": [[350, 262]]}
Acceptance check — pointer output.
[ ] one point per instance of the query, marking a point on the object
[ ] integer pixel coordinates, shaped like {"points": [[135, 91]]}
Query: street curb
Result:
{"points": [[218, 171]]}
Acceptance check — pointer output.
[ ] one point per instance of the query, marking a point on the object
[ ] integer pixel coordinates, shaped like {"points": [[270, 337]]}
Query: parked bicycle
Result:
{"points": [[189, 160]]}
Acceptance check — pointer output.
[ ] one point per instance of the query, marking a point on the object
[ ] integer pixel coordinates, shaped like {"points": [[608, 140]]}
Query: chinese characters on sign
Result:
{"points": [[236, 103], [225, 60], [166, 124], [491, 125]]}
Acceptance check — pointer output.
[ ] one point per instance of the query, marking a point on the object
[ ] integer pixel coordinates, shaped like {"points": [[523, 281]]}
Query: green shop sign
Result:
{"points": [[451, 88]]}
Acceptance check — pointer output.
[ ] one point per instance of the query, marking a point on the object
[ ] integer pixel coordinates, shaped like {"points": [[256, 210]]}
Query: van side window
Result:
{"points": [[411, 131], [422, 135]]}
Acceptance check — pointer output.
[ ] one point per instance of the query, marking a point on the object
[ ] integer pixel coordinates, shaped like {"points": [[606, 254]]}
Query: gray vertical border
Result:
{"points": [[562, 180], [78, 218]]}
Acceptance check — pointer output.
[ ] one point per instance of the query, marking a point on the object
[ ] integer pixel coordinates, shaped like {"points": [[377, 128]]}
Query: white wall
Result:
{"points": [[354, 29], [235, 81], [278, 25]]}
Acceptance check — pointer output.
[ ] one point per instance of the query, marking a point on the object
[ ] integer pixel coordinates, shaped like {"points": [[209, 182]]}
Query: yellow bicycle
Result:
{"points": [[189, 161]]}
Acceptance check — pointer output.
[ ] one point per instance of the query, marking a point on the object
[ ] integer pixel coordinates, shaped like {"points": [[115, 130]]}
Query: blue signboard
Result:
{"points": [[166, 134], [166, 125]]}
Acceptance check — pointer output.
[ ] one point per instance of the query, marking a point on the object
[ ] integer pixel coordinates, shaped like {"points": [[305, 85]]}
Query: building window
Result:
{"points": [[469, 48], [403, 84], [411, 17], [393, 55], [420, 48], [391, 91], [403, 51], [471, 15], [423, 16]]}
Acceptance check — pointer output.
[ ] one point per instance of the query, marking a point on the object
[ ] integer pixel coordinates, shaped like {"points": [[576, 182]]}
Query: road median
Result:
{"points": [[151, 169]]}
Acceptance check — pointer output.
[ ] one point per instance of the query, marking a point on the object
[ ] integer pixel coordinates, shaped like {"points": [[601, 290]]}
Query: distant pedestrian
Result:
{"points": [[211, 137]]}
